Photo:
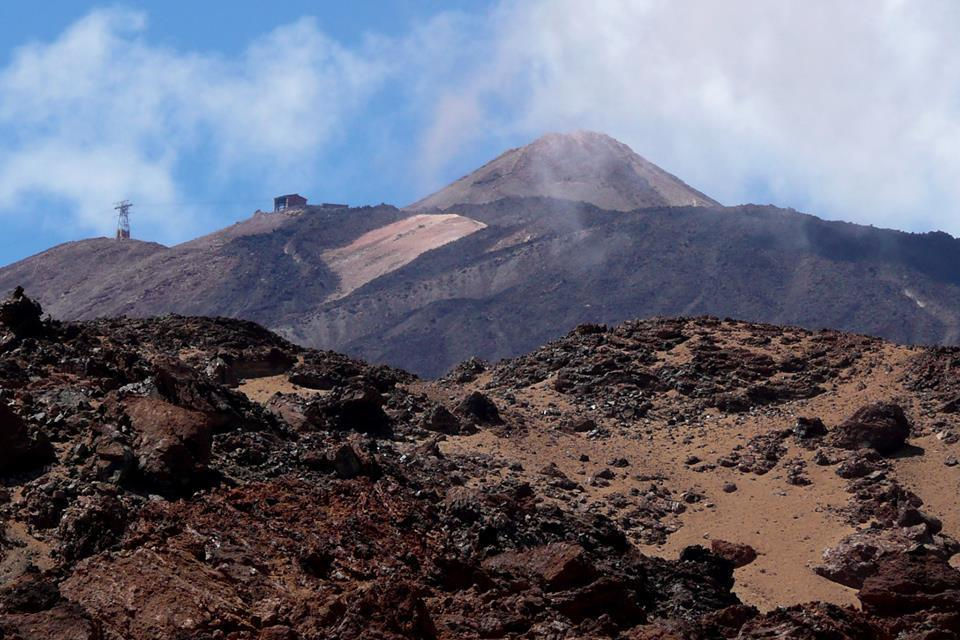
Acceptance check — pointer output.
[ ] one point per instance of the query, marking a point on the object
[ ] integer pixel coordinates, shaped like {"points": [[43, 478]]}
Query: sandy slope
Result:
{"points": [[390, 247]]}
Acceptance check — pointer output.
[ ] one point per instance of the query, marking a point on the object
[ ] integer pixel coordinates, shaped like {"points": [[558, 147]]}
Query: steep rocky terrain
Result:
{"points": [[184, 477], [426, 289]]}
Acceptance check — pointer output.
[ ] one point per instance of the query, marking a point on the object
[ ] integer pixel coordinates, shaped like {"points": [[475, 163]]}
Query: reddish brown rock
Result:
{"points": [[909, 583], [557, 566], [738, 553], [861, 554], [882, 427], [62, 622], [172, 444], [812, 622]]}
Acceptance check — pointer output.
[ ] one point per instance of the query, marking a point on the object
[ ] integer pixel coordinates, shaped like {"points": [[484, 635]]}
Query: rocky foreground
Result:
{"points": [[203, 478]]}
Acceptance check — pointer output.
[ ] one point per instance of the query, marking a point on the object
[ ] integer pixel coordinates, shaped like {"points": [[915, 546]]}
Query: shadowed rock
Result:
{"points": [[19, 451], [882, 427]]}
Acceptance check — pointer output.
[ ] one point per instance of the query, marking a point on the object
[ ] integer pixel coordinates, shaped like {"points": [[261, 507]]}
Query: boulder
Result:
{"points": [[739, 554], [882, 427], [172, 444], [347, 463], [438, 418], [859, 555], [556, 566], [806, 428], [19, 451], [480, 409], [90, 525], [909, 583], [356, 408]]}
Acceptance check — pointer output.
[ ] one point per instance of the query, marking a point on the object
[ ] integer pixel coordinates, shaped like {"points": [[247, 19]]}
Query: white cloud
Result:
{"points": [[101, 114], [849, 110], [840, 109]]}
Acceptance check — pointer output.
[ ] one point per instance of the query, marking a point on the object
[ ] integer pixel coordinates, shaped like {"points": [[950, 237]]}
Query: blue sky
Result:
{"points": [[201, 112]]}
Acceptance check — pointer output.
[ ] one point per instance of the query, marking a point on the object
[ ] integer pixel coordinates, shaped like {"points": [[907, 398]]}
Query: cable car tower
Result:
{"points": [[123, 219]]}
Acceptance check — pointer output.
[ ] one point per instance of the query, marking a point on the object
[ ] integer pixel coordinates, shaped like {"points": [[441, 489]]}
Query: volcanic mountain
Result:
{"points": [[570, 229], [583, 167]]}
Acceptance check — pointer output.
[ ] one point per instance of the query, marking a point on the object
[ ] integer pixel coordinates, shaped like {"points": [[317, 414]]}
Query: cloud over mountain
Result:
{"points": [[832, 108]]}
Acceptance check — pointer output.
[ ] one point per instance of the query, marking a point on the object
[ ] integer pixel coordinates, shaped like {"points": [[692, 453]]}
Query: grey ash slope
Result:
{"points": [[582, 167], [543, 266], [517, 271]]}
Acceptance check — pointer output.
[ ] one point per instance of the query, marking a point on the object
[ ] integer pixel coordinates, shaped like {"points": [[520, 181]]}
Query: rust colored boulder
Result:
{"points": [[557, 566], [909, 583], [863, 553], [882, 427], [172, 444], [739, 554]]}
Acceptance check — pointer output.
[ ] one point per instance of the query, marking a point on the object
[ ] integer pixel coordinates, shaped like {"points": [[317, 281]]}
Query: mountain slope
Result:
{"points": [[544, 266], [425, 290], [583, 167]]}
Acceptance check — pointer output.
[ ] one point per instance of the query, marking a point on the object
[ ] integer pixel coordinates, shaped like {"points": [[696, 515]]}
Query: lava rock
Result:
{"points": [[882, 427], [739, 554], [480, 409], [860, 554], [356, 408], [172, 446], [21, 315], [909, 583], [809, 428], [557, 566], [19, 451], [437, 418]]}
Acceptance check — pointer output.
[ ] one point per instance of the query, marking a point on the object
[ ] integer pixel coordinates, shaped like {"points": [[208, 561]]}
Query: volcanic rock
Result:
{"points": [[809, 428], [859, 555], [557, 566], [912, 582], [19, 451], [21, 315], [355, 408], [882, 427], [172, 445], [480, 408], [739, 554], [438, 418]]}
